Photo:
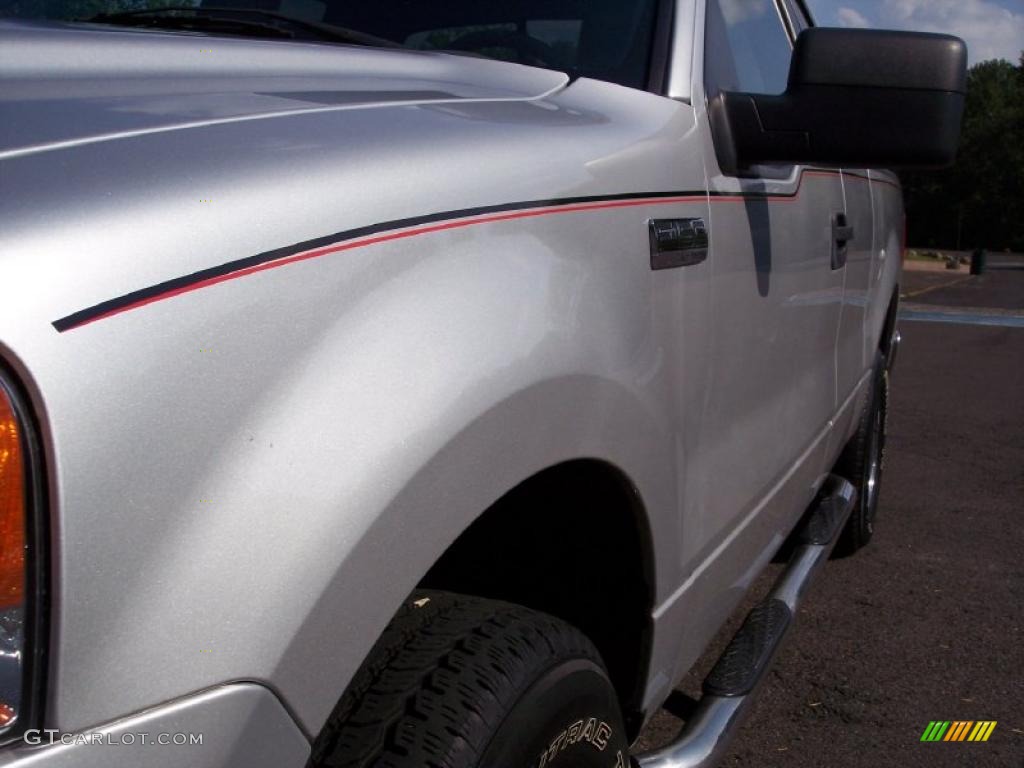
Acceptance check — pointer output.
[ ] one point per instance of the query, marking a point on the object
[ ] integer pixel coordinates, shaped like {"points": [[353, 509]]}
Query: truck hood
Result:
{"points": [[68, 84]]}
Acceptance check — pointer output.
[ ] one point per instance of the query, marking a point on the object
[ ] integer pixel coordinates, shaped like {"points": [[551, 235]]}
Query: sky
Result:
{"points": [[993, 29]]}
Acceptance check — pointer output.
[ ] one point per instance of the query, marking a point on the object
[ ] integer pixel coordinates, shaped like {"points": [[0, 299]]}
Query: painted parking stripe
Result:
{"points": [[957, 318]]}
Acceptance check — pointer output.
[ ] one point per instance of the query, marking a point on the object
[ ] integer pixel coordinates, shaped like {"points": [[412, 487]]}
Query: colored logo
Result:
{"points": [[958, 730]]}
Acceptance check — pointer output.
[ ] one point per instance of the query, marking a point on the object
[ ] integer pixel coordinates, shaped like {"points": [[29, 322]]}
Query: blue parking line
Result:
{"points": [[1003, 321]]}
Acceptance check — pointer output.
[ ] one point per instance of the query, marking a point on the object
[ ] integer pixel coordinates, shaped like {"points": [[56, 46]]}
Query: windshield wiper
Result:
{"points": [[225, 20]]}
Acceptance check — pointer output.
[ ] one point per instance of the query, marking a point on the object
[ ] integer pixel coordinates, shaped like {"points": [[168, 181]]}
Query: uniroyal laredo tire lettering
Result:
{"points": [[594, 731]]}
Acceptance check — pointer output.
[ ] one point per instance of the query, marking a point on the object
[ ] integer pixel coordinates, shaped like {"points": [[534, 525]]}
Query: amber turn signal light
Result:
{"points": [[12, 508], [14, 497]]}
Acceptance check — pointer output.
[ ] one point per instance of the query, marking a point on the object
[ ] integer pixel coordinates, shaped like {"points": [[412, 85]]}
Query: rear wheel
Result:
{"points": [[463, 682], [862, 463]]}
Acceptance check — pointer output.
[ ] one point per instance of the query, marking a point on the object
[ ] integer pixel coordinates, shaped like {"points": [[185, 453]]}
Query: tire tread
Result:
{"points": [[440, 680]]}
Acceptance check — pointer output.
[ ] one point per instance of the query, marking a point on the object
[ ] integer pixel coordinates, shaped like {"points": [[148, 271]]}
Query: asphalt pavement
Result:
{"points": [[927, 622], [1000, 287]]}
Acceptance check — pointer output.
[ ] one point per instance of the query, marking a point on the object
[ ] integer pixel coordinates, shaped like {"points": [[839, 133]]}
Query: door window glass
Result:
{"points": [[747, 48], [797, 16]]}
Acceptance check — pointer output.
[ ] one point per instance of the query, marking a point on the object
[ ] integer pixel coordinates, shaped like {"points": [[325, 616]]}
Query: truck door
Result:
{"points": [[777, 293], [853, 357]]}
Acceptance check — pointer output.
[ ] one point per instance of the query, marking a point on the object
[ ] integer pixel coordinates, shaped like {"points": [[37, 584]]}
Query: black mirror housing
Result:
{"points": [[857, 98]]}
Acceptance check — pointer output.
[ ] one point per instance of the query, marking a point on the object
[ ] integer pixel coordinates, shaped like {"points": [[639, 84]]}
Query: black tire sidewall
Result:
{"points": [[568, 718]]}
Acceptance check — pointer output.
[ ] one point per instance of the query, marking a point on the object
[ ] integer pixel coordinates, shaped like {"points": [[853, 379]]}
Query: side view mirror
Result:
{"points": [[856, 97]]}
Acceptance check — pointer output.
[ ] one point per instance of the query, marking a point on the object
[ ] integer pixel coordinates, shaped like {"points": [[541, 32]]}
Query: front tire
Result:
{"points": [[463, 682]]}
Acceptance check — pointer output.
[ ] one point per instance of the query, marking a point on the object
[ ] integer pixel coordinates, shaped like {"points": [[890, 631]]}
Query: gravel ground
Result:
{"points": [[927, 623]]}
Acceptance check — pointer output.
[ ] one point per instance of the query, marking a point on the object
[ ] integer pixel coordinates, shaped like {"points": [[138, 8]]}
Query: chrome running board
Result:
{"points": [[730, 687]]}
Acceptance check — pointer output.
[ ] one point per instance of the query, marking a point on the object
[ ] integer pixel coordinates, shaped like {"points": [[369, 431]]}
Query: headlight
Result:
{"points": [[21, 611]]}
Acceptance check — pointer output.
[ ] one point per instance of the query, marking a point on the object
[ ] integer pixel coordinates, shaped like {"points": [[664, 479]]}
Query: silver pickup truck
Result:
{"points": [[409, 384]]}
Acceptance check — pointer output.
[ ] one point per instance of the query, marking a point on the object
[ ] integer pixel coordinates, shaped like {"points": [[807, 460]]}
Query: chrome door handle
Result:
{"points": [[842, 233]]}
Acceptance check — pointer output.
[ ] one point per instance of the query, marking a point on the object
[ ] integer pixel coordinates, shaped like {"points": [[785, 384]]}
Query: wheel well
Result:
{"points": [[572, 541]]}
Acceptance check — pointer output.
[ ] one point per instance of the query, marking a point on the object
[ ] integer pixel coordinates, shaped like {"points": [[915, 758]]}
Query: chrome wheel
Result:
{"points": [[862, 462], [873, 469]]}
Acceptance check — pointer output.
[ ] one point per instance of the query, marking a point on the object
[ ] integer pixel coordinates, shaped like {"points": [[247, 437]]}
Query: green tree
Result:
{"points": [[979, 202]]}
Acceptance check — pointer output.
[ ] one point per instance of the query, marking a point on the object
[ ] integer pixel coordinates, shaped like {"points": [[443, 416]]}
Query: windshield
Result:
{"points": [[604, 39]]}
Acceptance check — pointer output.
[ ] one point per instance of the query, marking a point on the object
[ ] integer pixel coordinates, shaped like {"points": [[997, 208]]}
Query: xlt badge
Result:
{"points": [[677, 242]]}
